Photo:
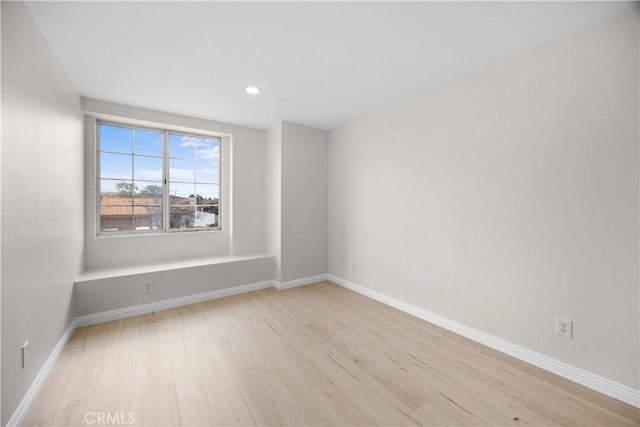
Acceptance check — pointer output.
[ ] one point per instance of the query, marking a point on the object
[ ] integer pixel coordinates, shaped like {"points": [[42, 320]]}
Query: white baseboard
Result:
{"points": [[36, 385], [588, 379], [137, 310], [300, 282], [106, 316], [595, 382], [122, 313]]}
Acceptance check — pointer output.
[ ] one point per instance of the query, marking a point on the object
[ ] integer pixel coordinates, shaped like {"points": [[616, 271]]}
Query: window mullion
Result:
{"points": [[165, 179], [98, 176], [133, 180]]}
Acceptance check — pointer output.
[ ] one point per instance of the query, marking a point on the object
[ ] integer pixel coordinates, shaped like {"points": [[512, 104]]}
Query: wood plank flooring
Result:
{"points": [[314, 355]]}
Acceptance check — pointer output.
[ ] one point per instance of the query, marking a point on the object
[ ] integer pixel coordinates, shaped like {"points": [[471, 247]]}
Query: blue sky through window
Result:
{"points": [[129, 154], [132, 175], [148, 142], [116, 139]]}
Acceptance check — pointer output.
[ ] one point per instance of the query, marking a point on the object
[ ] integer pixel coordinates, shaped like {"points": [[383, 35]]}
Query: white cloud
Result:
{"points": [[209, 153], [192, 141], [206, 149], [177, 174], [207, 175], [149, 174]]}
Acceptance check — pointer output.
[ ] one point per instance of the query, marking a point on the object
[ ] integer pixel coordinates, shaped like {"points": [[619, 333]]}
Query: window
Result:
{"points": [[153, 180]]}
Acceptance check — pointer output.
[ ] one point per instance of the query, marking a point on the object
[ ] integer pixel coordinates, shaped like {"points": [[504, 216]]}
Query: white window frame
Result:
{"points": [[165, 178]]}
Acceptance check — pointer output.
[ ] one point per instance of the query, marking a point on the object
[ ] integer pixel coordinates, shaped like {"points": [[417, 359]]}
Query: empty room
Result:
{"points": [[325, 213]]}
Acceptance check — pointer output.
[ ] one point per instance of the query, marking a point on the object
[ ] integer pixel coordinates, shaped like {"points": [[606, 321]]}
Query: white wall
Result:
{"points": [[42, 200], [0, 225], [507, 198], [273, 191], [296, 211], [304, 201], [243, 198], [99, 292]]}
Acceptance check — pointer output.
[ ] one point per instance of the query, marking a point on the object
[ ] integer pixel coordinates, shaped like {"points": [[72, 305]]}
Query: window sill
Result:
{"points": [[108, 235], [98, 274]]}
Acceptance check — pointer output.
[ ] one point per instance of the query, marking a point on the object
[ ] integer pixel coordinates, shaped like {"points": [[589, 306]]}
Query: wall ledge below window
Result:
{"points": [[108, 273]]}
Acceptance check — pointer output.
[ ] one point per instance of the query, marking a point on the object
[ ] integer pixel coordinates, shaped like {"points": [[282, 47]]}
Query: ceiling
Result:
{"points": [[320, 64]]}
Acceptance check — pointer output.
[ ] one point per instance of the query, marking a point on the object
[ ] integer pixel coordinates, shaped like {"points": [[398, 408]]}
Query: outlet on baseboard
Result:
{"points": [[564, 327], [148, 286]]}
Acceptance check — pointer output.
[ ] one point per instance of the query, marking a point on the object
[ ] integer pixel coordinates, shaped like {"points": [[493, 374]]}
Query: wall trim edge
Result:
{"points": [[121, 313], [588, 379], [300, 282], [43, 374]]}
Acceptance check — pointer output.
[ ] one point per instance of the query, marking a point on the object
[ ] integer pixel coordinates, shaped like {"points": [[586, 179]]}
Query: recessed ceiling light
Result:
{"points": [[252, 90]]}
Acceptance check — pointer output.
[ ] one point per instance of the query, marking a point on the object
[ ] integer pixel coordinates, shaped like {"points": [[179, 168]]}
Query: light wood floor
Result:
{"points": [[315, 355]]}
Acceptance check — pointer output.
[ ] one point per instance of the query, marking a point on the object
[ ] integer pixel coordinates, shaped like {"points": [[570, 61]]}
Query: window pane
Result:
{"points": [[206, 193], [149, 193], [148, 142], [181, 194], [147, 217], [181, 170], [116, 138], [116, 188], [116, 166], [207, 150], [108, 186], [148, 206], [208, 172], [147, 168], [206, 217], [132, 179], [181, 147], [115, 217], [181, 217]]}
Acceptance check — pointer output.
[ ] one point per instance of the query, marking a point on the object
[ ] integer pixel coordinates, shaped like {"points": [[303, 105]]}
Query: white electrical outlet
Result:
{"points": [[353, 267], [148, 286], [23, 354], [564, 327]]}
